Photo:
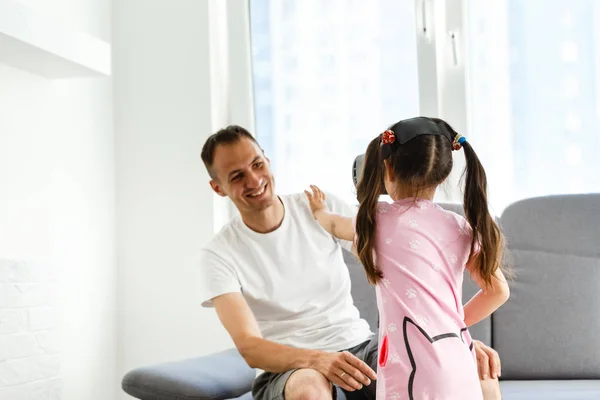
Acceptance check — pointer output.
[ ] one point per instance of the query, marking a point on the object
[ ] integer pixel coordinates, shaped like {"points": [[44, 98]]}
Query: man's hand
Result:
{"points": [[488, 361], [344, 370], [316, 200]]}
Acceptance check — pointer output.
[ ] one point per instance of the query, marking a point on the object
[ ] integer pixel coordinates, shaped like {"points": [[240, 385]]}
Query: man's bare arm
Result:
{"points": [[237, 318]]}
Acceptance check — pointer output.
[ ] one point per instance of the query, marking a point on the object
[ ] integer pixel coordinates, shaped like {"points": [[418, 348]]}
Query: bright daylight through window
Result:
{"points": [[330, 75]]}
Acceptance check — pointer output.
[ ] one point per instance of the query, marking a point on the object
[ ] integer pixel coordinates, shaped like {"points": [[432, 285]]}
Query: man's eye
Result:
{"points": [[258, 165], [236, 178]]}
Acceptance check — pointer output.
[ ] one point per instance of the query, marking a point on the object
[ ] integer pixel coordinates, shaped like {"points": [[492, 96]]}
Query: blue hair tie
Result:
{"points": [[458, 141]]}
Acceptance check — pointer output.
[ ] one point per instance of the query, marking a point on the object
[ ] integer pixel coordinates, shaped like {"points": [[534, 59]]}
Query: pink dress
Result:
{"points": [[425, 349]]}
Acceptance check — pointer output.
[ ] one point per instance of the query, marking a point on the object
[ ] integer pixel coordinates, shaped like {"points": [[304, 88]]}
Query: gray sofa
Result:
{"points": [[546, 334]]}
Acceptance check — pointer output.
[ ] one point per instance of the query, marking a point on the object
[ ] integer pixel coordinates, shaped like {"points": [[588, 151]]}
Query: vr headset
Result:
{"points": [[357, 168]]}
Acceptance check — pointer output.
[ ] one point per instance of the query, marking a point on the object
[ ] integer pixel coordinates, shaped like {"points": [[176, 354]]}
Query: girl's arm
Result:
{"points": [[337, 225], [488, 299]]}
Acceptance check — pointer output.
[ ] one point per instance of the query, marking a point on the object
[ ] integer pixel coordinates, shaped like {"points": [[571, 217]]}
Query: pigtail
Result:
{"points": [[368, 189], [486, 233]]}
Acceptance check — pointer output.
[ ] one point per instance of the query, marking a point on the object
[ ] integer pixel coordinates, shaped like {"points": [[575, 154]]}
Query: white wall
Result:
{"points": [[57, 239], [165, 208], [96, 221]]}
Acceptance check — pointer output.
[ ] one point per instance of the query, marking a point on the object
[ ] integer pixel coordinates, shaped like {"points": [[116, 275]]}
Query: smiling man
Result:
{"points": [[281, 288]]}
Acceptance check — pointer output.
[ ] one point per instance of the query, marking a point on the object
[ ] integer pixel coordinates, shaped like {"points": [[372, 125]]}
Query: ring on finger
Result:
{"points": [[342, 375]]}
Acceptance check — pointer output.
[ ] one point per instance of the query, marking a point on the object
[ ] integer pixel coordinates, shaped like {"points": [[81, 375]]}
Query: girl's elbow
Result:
{"points": [[504, 293], [499, 293]]}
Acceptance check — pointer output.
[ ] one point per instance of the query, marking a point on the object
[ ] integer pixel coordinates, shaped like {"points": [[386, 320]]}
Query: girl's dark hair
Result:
{"points": [[421, 163], [368, 189]]}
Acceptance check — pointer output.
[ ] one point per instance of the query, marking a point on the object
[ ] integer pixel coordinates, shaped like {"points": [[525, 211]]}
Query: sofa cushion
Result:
{"points": [[223, 375], [558, 224], [551, 390], [548, 328], [363, 293], [246, 396]]}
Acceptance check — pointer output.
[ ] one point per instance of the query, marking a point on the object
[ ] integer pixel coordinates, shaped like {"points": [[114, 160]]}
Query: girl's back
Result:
{"points": [[425, 349], [416, 254]]}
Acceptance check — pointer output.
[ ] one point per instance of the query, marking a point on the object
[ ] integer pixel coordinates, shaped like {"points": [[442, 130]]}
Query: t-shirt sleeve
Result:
{"points": [[218, 277], [341, 207], [467, 232]]}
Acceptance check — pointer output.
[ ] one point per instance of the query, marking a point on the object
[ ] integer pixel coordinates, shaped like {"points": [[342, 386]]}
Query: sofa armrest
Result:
{"points": [[218, 376]]}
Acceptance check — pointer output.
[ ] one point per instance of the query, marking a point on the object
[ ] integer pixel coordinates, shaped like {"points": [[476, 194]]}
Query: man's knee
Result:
{"points": [[307, 384], [491, 389]]}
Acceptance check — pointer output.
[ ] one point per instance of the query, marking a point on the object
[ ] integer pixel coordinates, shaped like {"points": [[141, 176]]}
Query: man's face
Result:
{"points": [[243, 173]]}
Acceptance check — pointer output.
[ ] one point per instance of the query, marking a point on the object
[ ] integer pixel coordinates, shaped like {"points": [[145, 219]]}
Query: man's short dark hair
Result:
{"points": [[228, 135]]}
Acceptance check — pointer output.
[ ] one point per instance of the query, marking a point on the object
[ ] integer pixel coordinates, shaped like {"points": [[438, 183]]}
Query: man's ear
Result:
{"points": [[217, 188]]}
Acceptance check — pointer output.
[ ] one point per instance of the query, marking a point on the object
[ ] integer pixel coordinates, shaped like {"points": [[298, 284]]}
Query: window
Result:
{"points": [[534, 86], [319, 112], [524, 85]]}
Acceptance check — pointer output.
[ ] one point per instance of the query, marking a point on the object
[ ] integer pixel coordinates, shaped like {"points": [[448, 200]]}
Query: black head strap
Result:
{"points": [[408, 129]]}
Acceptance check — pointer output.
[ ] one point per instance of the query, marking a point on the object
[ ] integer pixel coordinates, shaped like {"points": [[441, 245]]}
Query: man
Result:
{"points": [[281, 289]]}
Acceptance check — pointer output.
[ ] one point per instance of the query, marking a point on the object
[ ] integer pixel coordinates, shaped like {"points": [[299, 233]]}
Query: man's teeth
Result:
{"points": [[255, 194]]}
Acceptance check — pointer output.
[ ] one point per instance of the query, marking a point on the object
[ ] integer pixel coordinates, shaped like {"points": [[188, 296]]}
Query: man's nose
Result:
{"points": [[253, 180]]}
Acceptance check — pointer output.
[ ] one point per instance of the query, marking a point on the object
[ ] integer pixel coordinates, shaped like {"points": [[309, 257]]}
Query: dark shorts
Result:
{"points": [[270, 386]]}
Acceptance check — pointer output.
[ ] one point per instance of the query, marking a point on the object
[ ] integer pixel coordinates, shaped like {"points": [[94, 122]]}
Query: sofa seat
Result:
{"points": [[551, 390]]}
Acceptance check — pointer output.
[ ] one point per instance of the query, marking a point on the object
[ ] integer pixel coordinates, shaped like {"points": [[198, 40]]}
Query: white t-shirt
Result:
{"points": [[294, 278]]}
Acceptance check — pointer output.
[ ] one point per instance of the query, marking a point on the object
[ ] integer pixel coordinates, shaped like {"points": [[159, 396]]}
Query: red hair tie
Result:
{"points": [[388, 137]]}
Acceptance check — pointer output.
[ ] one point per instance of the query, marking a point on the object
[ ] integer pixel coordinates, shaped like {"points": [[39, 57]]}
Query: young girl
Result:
{"points": [[415, 253]]}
